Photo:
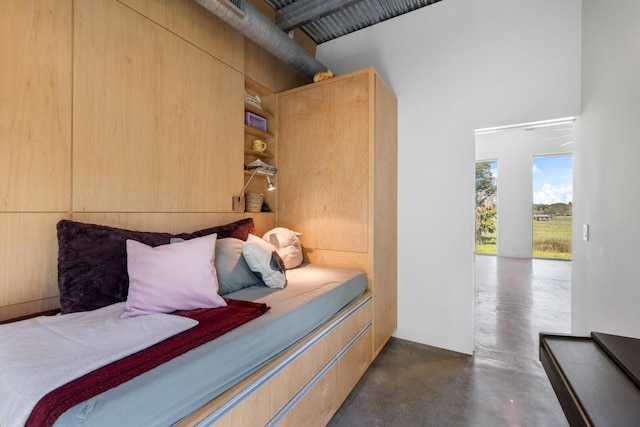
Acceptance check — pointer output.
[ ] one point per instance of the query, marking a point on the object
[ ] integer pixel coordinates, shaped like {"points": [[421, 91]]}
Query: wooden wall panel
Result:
{"points": [[263, 221], [260, 65], [35, 105], [119, 112], [265, 9], [183, 222], [318, 180], [28, 257], [358, 260], [385, 214], [288, 77], [153, 117], [194, 23], [305, 41], [37, 306], [158, 222]]}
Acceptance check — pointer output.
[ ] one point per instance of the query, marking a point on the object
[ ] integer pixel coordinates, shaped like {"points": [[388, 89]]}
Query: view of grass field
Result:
{"points": [[551, 210], [551, 239], [488, 246]]}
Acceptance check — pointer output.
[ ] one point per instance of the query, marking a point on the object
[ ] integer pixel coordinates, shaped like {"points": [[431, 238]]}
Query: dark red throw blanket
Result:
{"points": [[213, 322]]}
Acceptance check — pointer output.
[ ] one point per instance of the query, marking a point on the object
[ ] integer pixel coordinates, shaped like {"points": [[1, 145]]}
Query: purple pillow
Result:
{"points": [[177, 276], [92, 259]]}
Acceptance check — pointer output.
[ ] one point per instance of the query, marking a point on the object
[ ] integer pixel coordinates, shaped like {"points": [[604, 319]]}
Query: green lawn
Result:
{"points": [[550, 240], [488, 245]]}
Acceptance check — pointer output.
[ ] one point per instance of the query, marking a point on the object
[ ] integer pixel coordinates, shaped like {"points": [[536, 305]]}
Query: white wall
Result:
{"points": [[606, 269], [514, 149], [456, 66]]}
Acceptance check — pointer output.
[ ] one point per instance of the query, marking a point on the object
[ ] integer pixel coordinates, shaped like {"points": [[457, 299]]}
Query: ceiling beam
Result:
{"points": [[301, 12]]}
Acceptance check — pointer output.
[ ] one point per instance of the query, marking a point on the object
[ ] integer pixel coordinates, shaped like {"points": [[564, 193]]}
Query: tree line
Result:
{"points": [[554, 209]]}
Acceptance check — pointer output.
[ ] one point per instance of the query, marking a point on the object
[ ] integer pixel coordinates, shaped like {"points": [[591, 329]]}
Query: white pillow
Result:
{"points": [[287, 244], [177, 276], [264, 261]]}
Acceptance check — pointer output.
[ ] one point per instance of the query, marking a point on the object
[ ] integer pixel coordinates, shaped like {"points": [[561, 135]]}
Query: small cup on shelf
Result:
{"points": [[259, 145]]}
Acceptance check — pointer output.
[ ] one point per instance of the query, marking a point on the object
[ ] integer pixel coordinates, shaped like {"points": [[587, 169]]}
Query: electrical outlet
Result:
{"points": [[237, 204], [585, 232]]}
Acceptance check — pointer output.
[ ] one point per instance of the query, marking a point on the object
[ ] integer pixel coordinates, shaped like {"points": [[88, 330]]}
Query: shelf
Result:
{"points": [[258, 111], [267, 112], [258, 154], [257, 132], [256, 87], [259, 173]]}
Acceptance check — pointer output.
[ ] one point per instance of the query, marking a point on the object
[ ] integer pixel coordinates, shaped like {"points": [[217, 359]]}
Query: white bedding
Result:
{"points": [[41, 354]]}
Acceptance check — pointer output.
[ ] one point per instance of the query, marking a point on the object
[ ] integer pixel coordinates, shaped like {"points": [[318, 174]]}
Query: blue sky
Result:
{"points": [[553, 179]]}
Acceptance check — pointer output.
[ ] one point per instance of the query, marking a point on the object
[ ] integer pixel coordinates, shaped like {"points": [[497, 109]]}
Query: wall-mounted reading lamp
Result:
{"points": [[270, 186], [238, 201]]}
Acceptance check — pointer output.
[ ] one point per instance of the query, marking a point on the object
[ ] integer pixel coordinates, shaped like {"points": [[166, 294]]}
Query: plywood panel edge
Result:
{"points": [[332, 80], [28, 262], [30, 307], [158, 221], [356, 260], [385, 217], [195, 24]]}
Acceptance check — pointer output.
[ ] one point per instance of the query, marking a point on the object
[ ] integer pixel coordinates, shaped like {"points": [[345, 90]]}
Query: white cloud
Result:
{"points": [[550, 194], [536, 169]]}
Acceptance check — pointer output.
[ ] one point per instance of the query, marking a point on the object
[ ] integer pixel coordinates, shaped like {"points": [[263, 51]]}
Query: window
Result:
{"points": [[486, 207], [552, 206]]}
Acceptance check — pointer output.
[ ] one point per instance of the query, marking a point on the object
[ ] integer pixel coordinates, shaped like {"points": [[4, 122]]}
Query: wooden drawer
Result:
{"points": [[252, 411], [355, 323], [302, 385], [353, 364], [288, 382], [324, 394], [317, 406]]}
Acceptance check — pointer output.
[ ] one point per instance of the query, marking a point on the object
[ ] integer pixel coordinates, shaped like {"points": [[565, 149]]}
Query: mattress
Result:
{"points": [[170, 392]]}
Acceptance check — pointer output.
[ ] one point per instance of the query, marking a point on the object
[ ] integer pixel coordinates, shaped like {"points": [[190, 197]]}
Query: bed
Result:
{"points": [[314, 340]]}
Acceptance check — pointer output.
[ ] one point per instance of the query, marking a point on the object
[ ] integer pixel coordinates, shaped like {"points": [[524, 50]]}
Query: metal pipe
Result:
{"points": [[266, 34]]}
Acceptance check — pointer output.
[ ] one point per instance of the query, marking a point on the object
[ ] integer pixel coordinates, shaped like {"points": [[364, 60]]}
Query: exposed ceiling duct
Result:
{"points": [[242, 16]]}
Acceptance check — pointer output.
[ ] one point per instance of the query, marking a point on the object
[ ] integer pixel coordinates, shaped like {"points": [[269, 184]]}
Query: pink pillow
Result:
{"points": [[178, 276]]}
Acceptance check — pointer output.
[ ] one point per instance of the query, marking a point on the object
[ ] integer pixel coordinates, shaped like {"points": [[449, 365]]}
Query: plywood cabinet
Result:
{"points": [[337, 157]]}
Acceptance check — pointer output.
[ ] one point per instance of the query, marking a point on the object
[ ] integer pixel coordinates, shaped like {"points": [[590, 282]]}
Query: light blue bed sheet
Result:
{"points": [[170, 392]]}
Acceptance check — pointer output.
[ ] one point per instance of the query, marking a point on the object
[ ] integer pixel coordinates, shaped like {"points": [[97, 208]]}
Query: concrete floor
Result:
{"points": [[503, 384]]}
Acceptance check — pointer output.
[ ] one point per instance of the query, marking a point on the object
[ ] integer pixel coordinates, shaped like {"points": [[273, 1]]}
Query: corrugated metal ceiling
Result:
{"points": [[324, 20]]}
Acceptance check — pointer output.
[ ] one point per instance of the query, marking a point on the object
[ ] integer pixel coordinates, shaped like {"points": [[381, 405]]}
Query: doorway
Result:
{"points": [[513, 286], [513, 148]]}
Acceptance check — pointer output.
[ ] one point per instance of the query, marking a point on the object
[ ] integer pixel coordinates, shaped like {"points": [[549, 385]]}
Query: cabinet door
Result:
{"points": [[324, 152]]}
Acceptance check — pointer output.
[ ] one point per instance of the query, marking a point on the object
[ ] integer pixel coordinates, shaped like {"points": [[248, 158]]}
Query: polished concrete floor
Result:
{"points": [[503, 384]]}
